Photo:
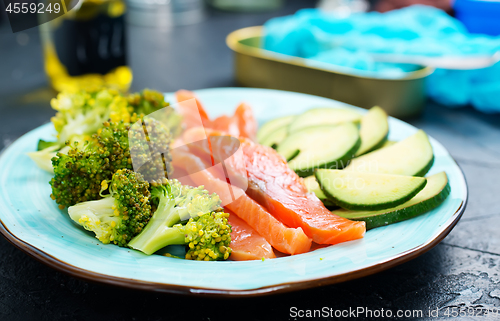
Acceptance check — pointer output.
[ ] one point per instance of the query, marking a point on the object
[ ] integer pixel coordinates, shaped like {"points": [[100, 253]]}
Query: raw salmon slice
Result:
{"points": [[277, 187], [246, 243], [192, 117], [281, 191], [247, 123], [228, 124], [284, 239], [216, 147], [242, 123]]}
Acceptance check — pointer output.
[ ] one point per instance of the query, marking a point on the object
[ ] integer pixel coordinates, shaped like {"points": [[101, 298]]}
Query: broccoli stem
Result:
{"points": [[165, 211], [158, 233], [150, 241]]}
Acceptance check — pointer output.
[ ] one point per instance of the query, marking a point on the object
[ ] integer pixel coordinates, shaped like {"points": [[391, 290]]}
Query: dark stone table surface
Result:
{"points": [[462, 272]]}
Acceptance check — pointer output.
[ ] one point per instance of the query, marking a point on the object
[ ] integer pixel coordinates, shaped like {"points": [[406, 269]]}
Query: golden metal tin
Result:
{"points": [[256, 67]]}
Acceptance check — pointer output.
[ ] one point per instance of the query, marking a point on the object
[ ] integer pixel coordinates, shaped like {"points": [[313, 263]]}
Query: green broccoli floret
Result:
{"points": [[152, 103], [79, 173], [82, 113], [113, 145], [144, 146], [120, 215], [208, 237], [206, 233], [147, 101], [79, 116], [48, 150]]}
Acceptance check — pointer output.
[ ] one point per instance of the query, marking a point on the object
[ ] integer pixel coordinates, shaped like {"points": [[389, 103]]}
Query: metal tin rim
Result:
{"points": [[233, 42]]}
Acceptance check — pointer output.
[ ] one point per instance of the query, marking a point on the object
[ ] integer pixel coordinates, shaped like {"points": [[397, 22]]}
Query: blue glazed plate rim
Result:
{"points": [[38, 253]]}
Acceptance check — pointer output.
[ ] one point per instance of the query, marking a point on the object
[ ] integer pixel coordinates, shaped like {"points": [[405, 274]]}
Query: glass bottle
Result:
{"points": [[85, 48]]}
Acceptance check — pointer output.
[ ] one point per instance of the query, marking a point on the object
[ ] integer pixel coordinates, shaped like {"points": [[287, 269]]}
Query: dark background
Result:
{"points": [[462, 271]]}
